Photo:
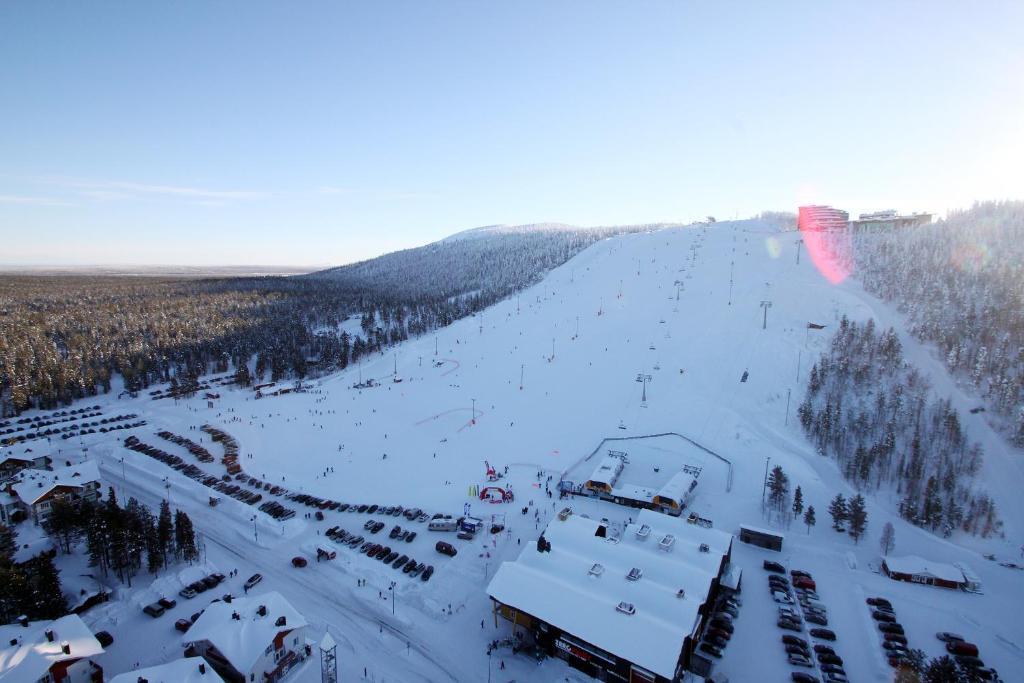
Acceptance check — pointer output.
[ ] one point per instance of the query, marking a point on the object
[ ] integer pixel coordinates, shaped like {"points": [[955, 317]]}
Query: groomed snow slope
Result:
{"points": [[578, 388]]}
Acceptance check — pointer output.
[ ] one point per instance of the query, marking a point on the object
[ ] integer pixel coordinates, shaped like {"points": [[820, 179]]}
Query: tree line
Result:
{"points": [[873, 413], [960, 282], [64, 338]]}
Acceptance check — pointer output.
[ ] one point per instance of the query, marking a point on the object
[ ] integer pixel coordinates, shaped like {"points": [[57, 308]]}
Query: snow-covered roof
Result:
{"points": [[34, 484], [678, 486], [559, 587], [243, 640], [179, 671], [608, 470], [912, 564], [33, 654]]}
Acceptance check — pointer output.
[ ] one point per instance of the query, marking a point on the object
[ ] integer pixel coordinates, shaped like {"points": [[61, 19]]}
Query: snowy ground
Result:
{"points": [[578, 340]]}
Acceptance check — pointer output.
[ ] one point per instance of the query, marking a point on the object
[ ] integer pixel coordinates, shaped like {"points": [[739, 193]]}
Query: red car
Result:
{"points": [[299, 561]]}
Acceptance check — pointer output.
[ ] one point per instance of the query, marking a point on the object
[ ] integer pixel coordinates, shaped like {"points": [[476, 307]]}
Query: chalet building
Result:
{"points": [[259, 638], [817, 218], [37, 490], [58, 651], [626, 606], [11, 464], [187, 670], [919, 570]]}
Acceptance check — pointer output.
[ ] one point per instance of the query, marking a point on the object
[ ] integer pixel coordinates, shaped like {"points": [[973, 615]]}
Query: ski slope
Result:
{"points": [[534, 384]]}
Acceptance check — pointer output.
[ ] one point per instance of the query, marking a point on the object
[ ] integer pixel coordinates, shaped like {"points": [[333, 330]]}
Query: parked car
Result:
{"points": [[895, 638], [446, 549], [962, 647], [883, 616], [816, 618], [794, 640], [893, 646], [797, 650], [721, 642], [948, 637], [391, 557], [427, 573], [789, 625], [299, 561], [774, 567], [780, 597], [167, 603], [410, 565], [804, 582], [729, 609], [887, 627], [409, 536], [802, 677], [183, 625], [723, 625], [799, 572], [719, 633], [823, 649], [187, 593], [827, 658], [710, 649], [823, 633], [154, 610], [397, 564], [836, 677], [106, 640], [800, 660], [395, 531], [253, 580]]}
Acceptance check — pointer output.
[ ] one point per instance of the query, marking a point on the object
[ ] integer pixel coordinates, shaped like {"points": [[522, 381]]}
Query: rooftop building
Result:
{"points": [[58, 650], [187, 670]]}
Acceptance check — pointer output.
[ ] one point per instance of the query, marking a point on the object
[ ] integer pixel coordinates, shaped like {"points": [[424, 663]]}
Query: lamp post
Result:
{"points": [[474, 411], [392, 589], [764, 487], [255, 534], [765, 305]]}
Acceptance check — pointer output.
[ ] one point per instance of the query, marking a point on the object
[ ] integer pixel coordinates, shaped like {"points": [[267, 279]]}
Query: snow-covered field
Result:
{"points": [[660, 304]]}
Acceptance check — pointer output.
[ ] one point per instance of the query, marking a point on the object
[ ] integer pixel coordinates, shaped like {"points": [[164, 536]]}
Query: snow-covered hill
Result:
{"points": [[534, 383]]}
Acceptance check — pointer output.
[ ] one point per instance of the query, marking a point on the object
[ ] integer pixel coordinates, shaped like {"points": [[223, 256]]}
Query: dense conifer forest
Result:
{"points": [[64, 338]]}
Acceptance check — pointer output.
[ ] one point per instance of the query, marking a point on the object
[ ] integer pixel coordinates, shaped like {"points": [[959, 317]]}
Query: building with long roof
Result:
{"points": [[60, 650], [628, 607]]}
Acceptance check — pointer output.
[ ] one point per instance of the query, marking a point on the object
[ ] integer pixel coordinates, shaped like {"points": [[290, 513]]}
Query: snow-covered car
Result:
{"points": [[816, 618], [253, 580], [154, 610], [187, 593], [794, 640], [800, 660], [947, 637], [780, 597], [797, 650]]}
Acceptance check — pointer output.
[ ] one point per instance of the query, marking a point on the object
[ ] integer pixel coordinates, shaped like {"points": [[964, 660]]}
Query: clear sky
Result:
{"points": [[321, 133]]}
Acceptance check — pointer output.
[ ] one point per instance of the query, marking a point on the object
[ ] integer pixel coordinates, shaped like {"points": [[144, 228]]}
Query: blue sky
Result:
{"points": [[322, 133]]}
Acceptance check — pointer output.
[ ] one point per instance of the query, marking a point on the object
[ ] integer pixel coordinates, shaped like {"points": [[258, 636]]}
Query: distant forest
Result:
{"points": [[64, 338], [960, 282]]}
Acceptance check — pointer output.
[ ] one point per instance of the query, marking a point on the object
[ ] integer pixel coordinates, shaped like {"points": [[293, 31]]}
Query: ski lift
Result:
{"points": [[651, 347], [621, 425]]}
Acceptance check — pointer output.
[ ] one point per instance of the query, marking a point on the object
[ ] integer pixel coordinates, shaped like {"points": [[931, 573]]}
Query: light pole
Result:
{"points": [[764, 487], [522, 370], [643, 396], [798, 245], [765, 305], [255, 535], [392, 589], [731, 264], [473, 421]]}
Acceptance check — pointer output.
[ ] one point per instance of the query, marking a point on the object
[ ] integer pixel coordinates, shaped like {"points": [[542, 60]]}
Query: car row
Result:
{"points": [[967, 656], [407, 564], [720, 627]]}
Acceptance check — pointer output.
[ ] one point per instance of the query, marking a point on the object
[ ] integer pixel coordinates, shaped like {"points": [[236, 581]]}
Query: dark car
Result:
{"points": [[799, 572], [886, 627], [816, 618], [106, 640], [209, 582], [417, 570], [823, 633], [343, 507], [879, 602], [427, 573], [794, 640], [710, 649], [367, 547], [167, 603], [789, 625], [774, 567], [720, 642], [369, 524], [183, 625], [377, 526], [364, 508], [719, 633], [802, 677], [217, 575], [409, 535], [198, 587], [383, 552], [446, 549], [797, 650], [826, 658], [828, 667], [372, 509], [397, 564], [299, 561], [895, 638], [154, 610], [395, 531], [723, 625], [823, 649], [390, 557], [883, 616]]}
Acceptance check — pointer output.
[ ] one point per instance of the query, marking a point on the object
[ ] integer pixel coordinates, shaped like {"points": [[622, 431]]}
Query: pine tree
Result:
{"points": [[154, 551], [931, 511], [888, 540], [185, 537], [798, 502], [858, 516], [837, 508], [809, 519], [778, 488], [64, 524], [165, 532], [8, 545], [941, 670], [48, 601]]}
